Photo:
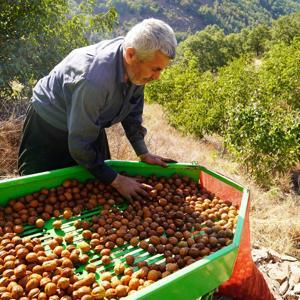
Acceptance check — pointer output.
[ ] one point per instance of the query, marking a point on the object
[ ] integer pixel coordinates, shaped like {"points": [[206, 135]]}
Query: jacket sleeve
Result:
{"points": [[134, 130], [85, 129]]}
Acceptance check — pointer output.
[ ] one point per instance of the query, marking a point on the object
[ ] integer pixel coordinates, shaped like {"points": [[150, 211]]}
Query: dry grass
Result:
{"points": [[9, 141], [275, 221], [164, 140]]}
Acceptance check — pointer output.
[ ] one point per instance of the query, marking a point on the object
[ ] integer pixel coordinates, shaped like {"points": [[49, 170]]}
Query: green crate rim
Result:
{"points": [[70, 172]]}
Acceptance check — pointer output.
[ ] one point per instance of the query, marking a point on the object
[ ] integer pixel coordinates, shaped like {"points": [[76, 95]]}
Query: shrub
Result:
{"points": [[265, 139]]}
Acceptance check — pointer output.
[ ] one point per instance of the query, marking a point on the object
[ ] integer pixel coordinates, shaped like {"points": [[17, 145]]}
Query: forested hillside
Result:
{"points": [[187, 16], [243, 87]]}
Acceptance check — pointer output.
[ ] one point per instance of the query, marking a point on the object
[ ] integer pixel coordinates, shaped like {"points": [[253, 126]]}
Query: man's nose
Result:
{"points": [[156, 75]]}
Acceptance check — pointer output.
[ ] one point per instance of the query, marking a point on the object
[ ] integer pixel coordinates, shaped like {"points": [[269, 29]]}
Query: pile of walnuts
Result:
{"points": [[178, 224]]}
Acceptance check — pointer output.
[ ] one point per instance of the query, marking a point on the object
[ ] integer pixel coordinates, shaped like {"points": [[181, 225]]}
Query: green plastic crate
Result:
{"points": [[196, 281]]}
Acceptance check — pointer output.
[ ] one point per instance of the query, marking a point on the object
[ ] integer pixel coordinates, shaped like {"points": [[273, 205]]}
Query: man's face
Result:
{"points": [[143, 71]]}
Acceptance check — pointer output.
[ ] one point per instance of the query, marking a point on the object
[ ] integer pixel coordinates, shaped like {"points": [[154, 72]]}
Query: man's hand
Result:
{"points": [[130, 187], [153, 159]]}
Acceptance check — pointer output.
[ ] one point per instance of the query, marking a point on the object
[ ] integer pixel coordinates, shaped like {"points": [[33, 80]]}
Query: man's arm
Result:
{"points": [[135, 133], [84, 129]]}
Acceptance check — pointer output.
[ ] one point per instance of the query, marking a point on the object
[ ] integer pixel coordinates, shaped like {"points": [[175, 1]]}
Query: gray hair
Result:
{"points": [[151, 35]]}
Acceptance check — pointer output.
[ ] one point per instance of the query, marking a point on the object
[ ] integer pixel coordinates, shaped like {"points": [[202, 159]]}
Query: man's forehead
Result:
{"points": [[159, 60]]}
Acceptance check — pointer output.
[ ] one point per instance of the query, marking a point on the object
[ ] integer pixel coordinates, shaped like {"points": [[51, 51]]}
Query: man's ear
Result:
{"points": [[130, 55]]}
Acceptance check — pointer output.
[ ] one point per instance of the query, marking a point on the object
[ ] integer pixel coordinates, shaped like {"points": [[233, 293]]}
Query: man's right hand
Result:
{"points": [[130, 187]]}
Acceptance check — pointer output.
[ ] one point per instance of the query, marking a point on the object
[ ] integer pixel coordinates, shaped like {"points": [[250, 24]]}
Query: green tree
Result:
{"points": [[208, 46], [281, 76], [234, 42], [266, 139], [36, 34], [286, 28], [257, 38]]}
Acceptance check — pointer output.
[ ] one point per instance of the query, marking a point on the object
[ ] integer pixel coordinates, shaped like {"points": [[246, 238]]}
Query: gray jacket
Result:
{"points": [[85, 93]]}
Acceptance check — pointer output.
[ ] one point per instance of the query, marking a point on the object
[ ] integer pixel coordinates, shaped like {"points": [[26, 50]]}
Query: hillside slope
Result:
{"points": [[187, 16], [272, 211]]}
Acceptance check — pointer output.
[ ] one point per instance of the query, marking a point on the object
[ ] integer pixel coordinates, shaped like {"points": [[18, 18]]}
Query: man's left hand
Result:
{"points": [[153, 159]]}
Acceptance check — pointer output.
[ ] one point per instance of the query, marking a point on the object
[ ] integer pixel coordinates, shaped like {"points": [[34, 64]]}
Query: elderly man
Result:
{"points": [[91, 89]]}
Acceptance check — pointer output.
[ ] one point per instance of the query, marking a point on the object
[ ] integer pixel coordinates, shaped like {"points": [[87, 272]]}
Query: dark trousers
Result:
{"points": [[45, 148]]}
